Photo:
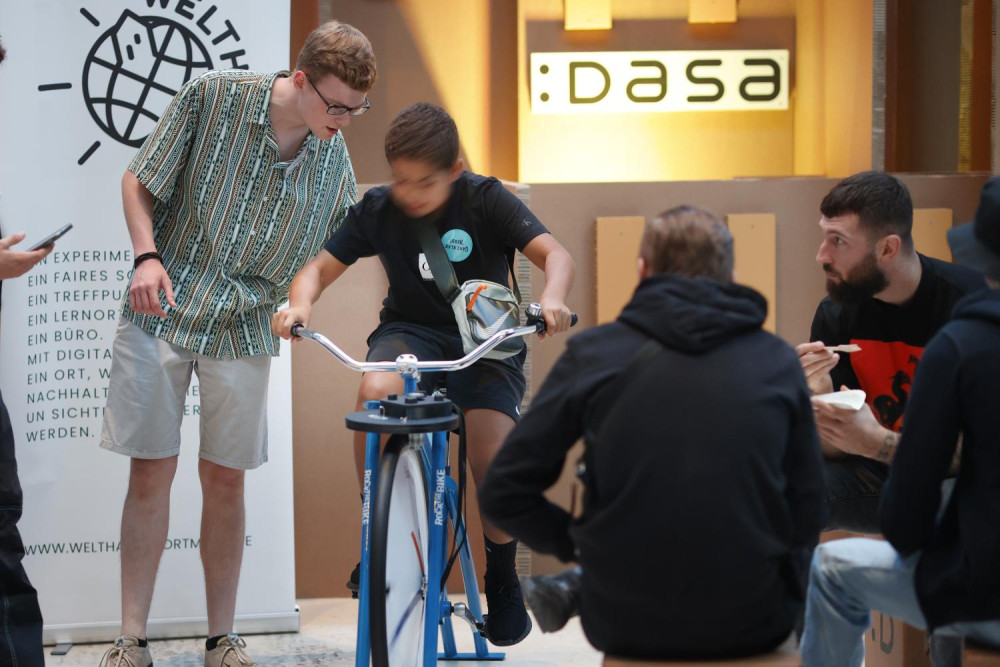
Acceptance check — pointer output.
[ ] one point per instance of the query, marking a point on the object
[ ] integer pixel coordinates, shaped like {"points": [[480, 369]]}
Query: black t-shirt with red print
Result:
{"points": [[892, 337]]}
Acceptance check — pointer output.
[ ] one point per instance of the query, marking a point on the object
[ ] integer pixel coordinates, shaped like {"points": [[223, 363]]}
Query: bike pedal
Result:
{"points": [[354, 595]]}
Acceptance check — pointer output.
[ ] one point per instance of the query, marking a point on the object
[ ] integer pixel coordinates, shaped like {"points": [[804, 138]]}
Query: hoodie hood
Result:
{"points": [[982, 305], [693, 315]]}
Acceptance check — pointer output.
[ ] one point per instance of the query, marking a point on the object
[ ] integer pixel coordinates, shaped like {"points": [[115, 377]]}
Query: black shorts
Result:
{"points": [[488, 384]]}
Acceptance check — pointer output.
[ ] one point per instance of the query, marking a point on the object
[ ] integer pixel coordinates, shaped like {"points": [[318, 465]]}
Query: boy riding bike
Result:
{"points": [[480, 224]]}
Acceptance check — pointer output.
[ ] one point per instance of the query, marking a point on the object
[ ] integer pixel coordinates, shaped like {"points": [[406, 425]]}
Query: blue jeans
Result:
{"points": [[850, 578]]}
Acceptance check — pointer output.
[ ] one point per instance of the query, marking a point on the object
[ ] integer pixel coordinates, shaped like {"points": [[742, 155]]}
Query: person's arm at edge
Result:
{"points": [[15, 263]]}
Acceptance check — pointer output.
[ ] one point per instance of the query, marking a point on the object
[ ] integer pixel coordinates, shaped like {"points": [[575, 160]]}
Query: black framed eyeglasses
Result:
{"points": [[339, 109]]}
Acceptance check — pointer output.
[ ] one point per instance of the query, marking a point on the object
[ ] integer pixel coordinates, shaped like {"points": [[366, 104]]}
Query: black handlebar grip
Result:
{"points": [[296, 327], [539, 322]]}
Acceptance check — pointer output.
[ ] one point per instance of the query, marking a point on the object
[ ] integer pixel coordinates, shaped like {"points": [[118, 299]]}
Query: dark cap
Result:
{"points": [[977, 244]]}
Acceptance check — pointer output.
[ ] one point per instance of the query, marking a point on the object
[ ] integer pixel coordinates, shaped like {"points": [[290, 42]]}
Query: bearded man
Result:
{"points": [[889, 300]]}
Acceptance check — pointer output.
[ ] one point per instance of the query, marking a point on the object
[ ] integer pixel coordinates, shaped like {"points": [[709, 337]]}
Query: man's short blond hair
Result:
{"points": [[341, 50], [688, 241]]}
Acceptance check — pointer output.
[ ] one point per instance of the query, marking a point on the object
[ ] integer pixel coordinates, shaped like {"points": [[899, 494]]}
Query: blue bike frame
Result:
{"points": [[444, 503], [443, 506]]}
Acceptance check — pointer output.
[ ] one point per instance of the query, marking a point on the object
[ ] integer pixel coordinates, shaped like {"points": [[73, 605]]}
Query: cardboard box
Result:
{"points": [[891, 643], [979, 656]]}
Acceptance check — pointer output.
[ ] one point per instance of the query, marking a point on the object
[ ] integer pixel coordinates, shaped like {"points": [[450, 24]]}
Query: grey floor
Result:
{"points": [[327, 638]]}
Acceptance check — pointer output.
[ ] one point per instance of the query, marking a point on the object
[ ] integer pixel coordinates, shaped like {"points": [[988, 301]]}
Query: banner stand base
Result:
{"points": [[61, 649], [169, 628]]}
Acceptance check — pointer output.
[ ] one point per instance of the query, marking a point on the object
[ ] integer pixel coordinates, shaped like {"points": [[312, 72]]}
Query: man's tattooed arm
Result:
{"points": [[888, 448]]}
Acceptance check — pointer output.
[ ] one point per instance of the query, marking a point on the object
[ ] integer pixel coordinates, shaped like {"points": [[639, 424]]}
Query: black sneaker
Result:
{"points": [[507, 623], [554, 599], [354, 583]]}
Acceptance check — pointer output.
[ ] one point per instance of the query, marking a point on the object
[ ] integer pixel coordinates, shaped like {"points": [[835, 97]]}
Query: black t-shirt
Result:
{"points": [[481, 225], [892, 337]]}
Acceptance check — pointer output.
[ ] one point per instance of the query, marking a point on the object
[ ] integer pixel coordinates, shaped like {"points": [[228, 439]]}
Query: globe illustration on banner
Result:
{"points": [[133, 71]]}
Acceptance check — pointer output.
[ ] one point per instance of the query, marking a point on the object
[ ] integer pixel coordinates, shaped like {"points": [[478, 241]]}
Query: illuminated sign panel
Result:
{"points": [[658, 81]]}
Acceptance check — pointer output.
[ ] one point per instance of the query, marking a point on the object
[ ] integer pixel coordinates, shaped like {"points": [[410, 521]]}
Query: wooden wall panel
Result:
{"points": [[712, 11], [617, 247], [304, 19], [587, 15], [930, 232], [755, 249]]}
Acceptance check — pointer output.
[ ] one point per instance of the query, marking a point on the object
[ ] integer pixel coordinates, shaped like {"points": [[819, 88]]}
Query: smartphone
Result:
{"points": [[51, 238]]}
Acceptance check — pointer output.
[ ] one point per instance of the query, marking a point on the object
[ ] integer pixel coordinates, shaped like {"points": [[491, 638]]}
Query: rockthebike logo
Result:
{"points": [[140, 60], [366, 504], [439, 498]]}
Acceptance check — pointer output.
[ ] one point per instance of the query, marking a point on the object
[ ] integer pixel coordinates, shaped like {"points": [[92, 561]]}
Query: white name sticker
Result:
{"points": [[425, 268]]}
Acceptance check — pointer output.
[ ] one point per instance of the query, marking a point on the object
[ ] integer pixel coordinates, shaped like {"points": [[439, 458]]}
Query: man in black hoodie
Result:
{"points": [[934, 573], [703, 473]]}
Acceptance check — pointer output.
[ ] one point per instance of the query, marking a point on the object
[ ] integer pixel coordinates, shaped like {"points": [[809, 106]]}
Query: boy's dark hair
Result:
{"points": [[881, 202], [3, 52], [690, 242], [423, 132]]}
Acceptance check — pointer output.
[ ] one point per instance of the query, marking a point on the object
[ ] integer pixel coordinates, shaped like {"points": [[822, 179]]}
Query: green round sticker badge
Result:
{"points": [[457, 243]]}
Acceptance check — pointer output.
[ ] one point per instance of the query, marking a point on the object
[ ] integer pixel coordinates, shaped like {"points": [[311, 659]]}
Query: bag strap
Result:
{"points": [[440, 265], [437, 260], [467, 207], [513, 275]]}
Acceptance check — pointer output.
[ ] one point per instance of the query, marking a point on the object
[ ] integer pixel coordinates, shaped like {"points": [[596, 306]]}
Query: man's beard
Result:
{"points": [[862, 282]]}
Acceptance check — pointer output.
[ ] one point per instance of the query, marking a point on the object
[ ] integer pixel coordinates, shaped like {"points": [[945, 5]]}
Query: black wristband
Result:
{"points": [[147, 255]]}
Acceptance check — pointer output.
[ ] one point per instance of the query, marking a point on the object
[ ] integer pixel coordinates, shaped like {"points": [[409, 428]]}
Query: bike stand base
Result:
{"points": [[471, 656]]}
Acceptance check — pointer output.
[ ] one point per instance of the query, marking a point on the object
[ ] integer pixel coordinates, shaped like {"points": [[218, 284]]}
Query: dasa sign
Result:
{"points": [[657, 81]]}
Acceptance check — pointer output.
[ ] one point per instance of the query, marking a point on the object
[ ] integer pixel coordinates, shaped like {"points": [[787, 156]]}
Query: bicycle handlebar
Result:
{"points": [[408, 364]]}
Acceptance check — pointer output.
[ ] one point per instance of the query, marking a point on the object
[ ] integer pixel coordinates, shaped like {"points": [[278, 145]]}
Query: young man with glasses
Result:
{"points": [[241, 182]]}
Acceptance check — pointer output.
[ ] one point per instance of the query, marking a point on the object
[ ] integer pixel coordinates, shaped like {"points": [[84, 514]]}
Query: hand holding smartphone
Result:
{"points": [[51, 238]]}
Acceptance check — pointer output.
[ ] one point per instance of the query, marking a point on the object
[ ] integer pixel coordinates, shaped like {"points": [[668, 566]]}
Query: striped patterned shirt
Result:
{"points": [[233, 222]]}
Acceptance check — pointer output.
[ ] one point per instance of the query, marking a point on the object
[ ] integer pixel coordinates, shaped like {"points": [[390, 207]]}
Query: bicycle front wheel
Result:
{"points": [[398, 566]]}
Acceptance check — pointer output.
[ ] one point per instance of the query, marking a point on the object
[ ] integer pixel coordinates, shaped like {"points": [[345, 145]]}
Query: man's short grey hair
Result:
{"points": [[688, 241]]}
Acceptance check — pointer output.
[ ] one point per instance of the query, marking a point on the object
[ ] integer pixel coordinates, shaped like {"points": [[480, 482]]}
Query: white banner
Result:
{"points": [[82, 86], [656, 81]]}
